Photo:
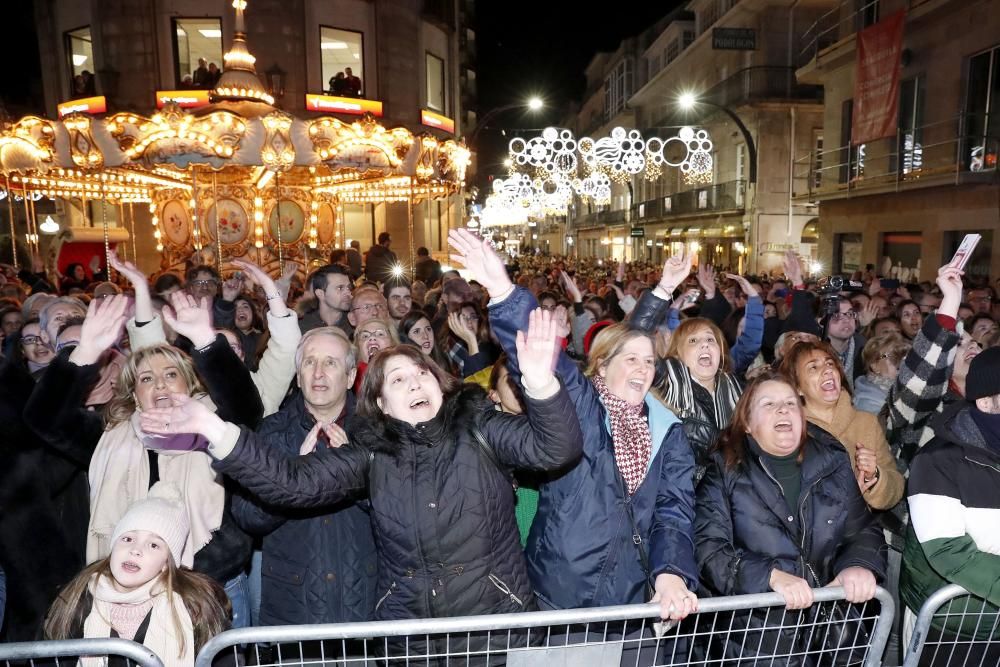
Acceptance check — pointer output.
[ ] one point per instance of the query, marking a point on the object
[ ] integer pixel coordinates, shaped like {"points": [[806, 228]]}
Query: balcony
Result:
{"points": [[757, 84], [717, 198], [599, 219], [955, 151], [725, 197]]}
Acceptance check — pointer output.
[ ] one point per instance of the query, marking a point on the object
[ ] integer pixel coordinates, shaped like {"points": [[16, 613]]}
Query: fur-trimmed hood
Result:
{"points": [[389, 435]]}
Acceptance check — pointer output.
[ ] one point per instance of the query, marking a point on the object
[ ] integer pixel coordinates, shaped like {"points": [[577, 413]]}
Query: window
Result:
{"points": [[741, 150], [852, 158], [867, 13], [436, 97], [197, 52], [342, 53], [687, 38], [702, 199], [654, 65], [80, 56], [617, 88], [817, 159], [668, 205], [911, 119], [709, 16], [982, 120], [673, 50]]}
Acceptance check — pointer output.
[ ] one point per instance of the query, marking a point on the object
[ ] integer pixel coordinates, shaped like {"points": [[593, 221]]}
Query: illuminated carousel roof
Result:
{"points": [[128, 156]]}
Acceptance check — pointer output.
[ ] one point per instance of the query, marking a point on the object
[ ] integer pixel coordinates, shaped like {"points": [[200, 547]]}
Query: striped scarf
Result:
{"points": [[630, 435], [678, 393]]}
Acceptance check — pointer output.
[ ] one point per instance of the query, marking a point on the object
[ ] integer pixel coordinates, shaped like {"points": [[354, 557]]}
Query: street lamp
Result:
{"points": [[689, 101], [533, 104]]}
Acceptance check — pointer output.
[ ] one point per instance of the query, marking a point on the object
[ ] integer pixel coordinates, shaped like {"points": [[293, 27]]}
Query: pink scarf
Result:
{"points": [[630, 434]]}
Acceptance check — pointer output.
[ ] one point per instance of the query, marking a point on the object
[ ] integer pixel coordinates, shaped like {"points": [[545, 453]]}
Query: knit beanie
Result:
{"points": [[984, 375], [161, 512]]}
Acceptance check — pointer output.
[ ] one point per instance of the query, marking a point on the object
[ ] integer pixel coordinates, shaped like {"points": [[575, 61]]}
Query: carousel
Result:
{"points": [[236, 178]]}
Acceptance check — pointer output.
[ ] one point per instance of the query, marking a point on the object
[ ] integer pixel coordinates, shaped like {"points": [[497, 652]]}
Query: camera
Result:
{"points": [[829, 290]]}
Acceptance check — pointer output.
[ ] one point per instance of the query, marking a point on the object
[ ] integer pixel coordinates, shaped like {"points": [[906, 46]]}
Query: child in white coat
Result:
{"points": [[139, 592]]}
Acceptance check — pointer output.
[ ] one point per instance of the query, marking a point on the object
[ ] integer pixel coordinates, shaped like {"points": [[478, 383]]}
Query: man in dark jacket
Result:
{"points": [[954, 500], [380, 260], [426, 269], [319, 564]]}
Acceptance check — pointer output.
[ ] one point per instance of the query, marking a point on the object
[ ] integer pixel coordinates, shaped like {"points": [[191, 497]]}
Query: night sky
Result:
{"points": [[542, 47], [526, 47]]}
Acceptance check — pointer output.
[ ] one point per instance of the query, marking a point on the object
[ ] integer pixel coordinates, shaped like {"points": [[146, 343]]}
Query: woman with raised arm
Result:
{"points": [[695, 377], [276, 369], [124, 461], [432, 455], [617, 528]]}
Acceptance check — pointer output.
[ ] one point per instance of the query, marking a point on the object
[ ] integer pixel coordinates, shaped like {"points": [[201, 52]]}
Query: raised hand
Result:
{"points": [[101, 329], [536, 350], [572, 291], [949, 279], [95, 264], [868, 314], [793, 269], [687, 300], [190, 319], [745, 285], [874, 287], [231, 288], [706, 278], [143, 303], [795, 590], [675, 271], [676, 601], [275, 299], [479, 257]]}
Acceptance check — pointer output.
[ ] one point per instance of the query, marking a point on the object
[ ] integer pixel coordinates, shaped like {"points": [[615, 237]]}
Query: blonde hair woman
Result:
{"points": [[123, 460]]}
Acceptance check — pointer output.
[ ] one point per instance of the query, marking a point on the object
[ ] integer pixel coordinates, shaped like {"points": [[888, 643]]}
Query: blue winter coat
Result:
{"points": [[580, 549], [319, 565]]}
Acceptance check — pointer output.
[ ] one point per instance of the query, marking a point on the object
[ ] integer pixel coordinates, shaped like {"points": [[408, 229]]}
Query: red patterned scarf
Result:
{"points": [[629, 433]]}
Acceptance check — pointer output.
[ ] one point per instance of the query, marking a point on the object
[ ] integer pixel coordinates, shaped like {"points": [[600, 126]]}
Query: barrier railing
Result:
{"points": [[954, 628], [52, 651], [750, 629]]}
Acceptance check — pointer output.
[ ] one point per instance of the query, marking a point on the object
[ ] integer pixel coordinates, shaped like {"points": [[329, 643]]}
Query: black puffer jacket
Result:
{"points": [[443, 512], [319, 564], [744, 530]]}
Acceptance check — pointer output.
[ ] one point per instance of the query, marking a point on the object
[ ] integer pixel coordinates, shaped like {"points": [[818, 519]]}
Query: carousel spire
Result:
{"points": [[239, 79]]}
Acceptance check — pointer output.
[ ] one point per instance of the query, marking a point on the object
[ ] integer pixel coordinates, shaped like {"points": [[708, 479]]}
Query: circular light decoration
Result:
{"points": [[554, 151], [622, 152]]}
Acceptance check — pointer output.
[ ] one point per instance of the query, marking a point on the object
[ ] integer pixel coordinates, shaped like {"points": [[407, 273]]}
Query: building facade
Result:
{"points": [[737, 54], [410, 55], [903, 203]]}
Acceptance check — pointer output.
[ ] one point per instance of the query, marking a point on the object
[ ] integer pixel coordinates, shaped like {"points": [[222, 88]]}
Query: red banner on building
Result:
{"points": [[876, 81]]}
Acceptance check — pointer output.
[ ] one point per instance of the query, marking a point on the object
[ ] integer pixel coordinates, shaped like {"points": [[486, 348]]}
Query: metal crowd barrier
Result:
{"points": [[739, 630], [68, 652], [956, 629]]}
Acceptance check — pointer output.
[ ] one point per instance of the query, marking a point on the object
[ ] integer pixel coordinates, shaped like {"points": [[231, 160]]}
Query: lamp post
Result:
{"points": [[689, 102], [533, 104]]}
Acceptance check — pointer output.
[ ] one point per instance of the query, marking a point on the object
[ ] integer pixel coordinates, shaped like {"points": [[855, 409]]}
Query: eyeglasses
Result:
{"points": [[470, 318], [981, 299], [369, 308], [66, 343], [211, 282], [368, 334], [29, 341], [849, 315]]}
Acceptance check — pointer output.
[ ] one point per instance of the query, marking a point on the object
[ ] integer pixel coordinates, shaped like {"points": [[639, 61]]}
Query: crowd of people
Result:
{"points": [[184, 454]]}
